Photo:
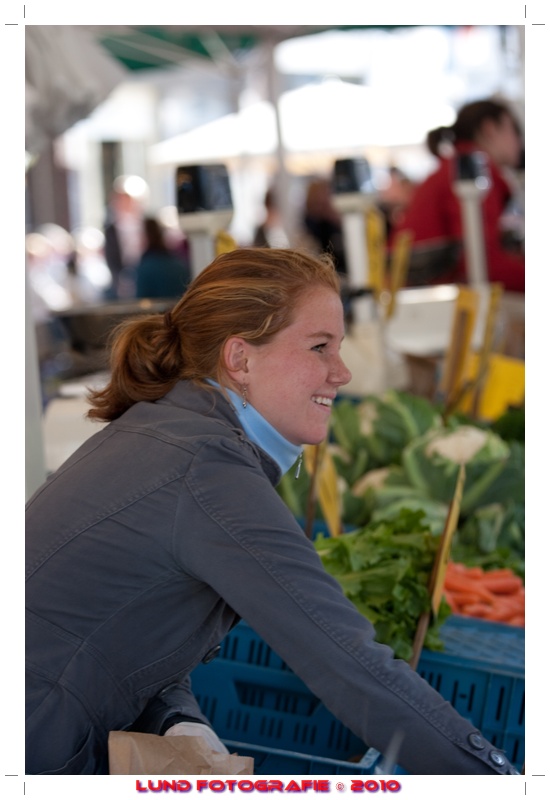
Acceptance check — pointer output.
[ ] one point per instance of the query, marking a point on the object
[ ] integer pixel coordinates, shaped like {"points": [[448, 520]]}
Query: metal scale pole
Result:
{"points": [[471, 184], [353, 195]]}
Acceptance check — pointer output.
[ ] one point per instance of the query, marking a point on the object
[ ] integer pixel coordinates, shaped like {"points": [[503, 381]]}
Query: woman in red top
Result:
{"points": [[434, 214]]}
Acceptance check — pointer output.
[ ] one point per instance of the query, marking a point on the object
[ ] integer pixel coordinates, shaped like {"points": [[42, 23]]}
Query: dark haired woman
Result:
{"points": [[434, 213]]}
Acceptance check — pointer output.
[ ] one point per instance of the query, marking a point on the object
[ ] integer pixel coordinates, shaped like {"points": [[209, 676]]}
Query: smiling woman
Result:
{"points": [[146, 547], [293, 378], [236, 309]]}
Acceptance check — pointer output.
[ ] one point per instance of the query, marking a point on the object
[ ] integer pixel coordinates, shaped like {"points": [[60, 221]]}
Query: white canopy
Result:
{"points": [[67, 74], [333, 115]]}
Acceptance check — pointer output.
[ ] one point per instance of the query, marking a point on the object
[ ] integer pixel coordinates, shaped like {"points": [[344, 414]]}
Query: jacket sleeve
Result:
{"points": [[175, 703], [243, 541]]}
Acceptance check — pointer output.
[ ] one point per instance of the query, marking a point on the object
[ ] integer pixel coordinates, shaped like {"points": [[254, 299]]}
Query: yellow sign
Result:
{"points": [[320, 466], [376, 249], [225, 243], [437, 578], [399, 266], [503, 386], [442, 558], [459, 348]]}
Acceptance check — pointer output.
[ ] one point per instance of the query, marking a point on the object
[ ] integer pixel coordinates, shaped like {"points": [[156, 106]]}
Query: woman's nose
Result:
{"points": [[340, 374]]}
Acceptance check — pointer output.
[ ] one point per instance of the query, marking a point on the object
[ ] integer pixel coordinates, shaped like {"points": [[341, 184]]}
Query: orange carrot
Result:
{"points": [[502, 585], [518, 620], [458, 583], [497, 595], [456, 566], [502, 612], [465, 598], [505, 572], [451, 601], [475, 572], [475, 610]]}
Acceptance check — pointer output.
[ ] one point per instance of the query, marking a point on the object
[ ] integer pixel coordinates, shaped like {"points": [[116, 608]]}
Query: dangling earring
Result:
{"points": [[243, 392]]}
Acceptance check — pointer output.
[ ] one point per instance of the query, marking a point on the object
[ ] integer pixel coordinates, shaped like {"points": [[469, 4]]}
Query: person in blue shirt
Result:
{"points": [[160, 272]]}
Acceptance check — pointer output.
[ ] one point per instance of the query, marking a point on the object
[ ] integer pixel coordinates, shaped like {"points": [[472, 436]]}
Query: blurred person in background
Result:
{"points": [[270, 233], [160, 272], [88, 277], [175, 238], [89, 255], [123, 233], [394, 198], [47, 270], [434, 213], [50, 287], [65, 269], [321, 224]]}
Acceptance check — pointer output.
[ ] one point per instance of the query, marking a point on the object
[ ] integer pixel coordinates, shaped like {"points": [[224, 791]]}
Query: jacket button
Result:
{"points": [[212, 654], [476, 741], [497, 758]]}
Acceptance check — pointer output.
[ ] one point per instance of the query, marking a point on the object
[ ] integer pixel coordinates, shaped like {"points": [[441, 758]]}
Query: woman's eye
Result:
{"points": [[319, 347]]}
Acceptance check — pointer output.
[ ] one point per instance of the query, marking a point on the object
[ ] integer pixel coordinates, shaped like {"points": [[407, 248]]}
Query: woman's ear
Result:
{"points": [[235, 357]]}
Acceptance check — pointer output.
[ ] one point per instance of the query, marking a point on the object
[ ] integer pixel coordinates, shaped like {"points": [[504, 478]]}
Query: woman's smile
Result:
{"points": [[293, 380]]}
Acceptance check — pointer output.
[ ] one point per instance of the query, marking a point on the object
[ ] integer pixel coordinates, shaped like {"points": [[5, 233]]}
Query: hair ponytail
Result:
{"points": [[468, 124], [249, 292], [146, 362], [438, 138]]}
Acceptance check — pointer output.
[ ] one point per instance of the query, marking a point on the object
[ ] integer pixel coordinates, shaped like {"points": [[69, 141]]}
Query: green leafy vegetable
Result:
{"points": [[492, 537], [494, 468], [384, 568], [375, 430], [510, 426]]}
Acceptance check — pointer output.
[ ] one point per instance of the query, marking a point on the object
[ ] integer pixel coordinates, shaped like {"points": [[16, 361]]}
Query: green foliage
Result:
{"points": [[384, 568], [374, 431], [385, 450], [492, 537], [510, 426], [294, 491]]}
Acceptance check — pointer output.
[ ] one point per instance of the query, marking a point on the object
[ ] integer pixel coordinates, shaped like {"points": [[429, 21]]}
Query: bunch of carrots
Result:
{"points": [[496, 595]]}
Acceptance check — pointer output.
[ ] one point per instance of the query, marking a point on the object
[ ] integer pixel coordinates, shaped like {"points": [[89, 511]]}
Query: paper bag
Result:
{"points": [[148, 754]]}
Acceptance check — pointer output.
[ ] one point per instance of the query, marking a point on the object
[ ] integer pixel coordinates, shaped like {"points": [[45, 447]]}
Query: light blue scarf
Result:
{"points": [[262, 433]]}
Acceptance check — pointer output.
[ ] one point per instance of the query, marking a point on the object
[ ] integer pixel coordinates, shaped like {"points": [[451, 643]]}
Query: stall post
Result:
{"points": [[470, 185]]}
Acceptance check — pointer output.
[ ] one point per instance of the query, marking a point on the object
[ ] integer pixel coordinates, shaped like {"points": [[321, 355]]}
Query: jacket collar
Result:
{"points": [[213, 404]]}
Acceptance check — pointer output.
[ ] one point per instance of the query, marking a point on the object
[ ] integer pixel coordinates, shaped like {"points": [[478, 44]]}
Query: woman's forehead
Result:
{"points": [[319, 307]]}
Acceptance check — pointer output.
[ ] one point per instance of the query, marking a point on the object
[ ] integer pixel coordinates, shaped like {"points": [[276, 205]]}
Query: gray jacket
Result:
{"points": [[147, 546]]}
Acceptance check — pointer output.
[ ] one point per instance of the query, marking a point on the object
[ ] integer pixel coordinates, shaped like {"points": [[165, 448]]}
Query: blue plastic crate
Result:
{"points": [[251, 695], [271, 708], [243, 645], [482, 674]]}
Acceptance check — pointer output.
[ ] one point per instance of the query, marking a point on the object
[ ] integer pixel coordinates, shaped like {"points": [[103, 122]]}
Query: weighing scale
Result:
{"points": [[205, 207]]}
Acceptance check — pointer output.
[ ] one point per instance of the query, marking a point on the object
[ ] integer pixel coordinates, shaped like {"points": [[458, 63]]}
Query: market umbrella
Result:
{"points": [[151, 47]]}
